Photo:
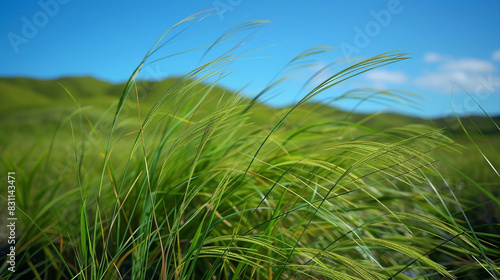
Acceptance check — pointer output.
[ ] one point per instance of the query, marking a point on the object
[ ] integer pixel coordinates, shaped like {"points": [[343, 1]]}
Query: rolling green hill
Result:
{"points": [[32, 109], [25, 94], [320, 168]]}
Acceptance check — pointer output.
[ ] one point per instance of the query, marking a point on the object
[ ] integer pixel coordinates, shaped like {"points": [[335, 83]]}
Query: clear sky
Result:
{"points": [[455, 45]]}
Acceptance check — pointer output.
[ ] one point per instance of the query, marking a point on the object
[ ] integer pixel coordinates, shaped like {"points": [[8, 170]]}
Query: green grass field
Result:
{"points": [[185, 180]]}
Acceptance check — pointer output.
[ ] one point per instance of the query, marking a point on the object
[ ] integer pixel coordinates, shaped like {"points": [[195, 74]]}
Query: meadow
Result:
{"points": [[183, 179]]}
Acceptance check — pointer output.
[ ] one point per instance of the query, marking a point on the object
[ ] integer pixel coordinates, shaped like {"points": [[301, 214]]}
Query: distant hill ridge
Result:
{"points": [[26, 93], [80, 86]]}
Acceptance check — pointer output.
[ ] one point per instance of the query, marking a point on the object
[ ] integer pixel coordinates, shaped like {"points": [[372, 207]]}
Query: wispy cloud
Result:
{"points": [[448, 72], [433, 57], [469, 65], [384, 78], [496, 55]]}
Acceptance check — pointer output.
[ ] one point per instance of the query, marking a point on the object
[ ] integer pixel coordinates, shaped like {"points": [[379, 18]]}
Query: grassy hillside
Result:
{"points": [[25, 94], [34, 109], [41, 132]]}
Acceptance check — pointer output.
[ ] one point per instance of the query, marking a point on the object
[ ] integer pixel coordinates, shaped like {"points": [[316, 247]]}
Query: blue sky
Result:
{"points": [[455, 45]]}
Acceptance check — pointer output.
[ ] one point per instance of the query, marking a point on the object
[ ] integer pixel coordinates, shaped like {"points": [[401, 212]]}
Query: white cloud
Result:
{"points": [[496, 55], [472, 65], [444, 81], [448, 72], [432, 57], [381, 78]]}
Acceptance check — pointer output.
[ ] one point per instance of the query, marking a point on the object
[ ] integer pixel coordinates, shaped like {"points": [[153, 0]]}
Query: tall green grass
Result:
{"points": [[196, 188]]}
